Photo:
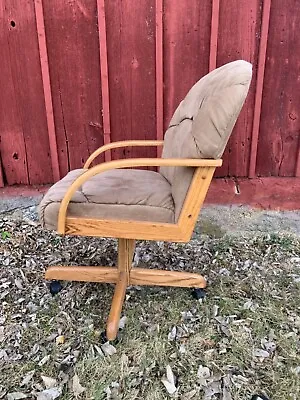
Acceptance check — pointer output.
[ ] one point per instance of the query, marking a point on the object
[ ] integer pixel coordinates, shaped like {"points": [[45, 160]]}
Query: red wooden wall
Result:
{"points": [[81, 73]]}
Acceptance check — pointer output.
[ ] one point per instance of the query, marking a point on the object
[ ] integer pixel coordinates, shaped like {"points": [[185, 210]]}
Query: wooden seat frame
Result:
{"points": [[127, 231]]}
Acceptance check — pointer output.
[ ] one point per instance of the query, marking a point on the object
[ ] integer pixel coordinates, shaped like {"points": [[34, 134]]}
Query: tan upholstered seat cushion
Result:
{"points": [[117, 194], [203, 122]]}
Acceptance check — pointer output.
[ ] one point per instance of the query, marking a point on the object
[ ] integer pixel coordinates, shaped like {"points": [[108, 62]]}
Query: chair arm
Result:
{"points": [[127, 163], [124, 143]]}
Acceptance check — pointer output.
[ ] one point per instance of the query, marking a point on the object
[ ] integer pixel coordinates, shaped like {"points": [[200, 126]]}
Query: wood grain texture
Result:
{"points": [[214, 34], [186, 49], [124, 229], [40, 26], [278, 144], [116, 306], [194, 200], [239, 32], [82, 274], [259, 85], [124, 143], [1, 173], [154, 277], [131, 60], [104, 74], [74, 62], [23, 128], [159, 66], [137, 162]]}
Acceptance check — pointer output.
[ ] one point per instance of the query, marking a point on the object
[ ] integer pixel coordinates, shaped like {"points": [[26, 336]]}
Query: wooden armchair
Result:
{"points": [[110, 200]]}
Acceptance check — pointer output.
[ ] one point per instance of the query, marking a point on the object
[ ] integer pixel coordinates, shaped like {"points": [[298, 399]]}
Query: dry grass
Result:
{"points": [[252, 309]]}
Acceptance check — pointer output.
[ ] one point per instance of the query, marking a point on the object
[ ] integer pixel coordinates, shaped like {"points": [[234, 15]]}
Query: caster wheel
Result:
{"points": [[198, 293], [259, 397], [55, 287], [103, 338]]}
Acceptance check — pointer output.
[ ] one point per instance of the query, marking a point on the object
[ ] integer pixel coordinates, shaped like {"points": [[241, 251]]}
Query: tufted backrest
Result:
{"points": [[203, 122]]}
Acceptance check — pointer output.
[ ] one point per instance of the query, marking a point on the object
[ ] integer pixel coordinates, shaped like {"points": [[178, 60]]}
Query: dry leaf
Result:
{"points": [[16, 396], [2, 333], [189, 395], [49, 382], [49, 394], [44, 360], [296, 370], [99, 351], [169, 381], [259, 353], [60, 339], [76, 387], [211, 390], [203, 375], [122, 322], [108, 349], [27, 378]]}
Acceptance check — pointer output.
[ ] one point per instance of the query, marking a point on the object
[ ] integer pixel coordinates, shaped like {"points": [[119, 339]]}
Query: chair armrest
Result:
{"points": [[124, 143], [127, 163]]}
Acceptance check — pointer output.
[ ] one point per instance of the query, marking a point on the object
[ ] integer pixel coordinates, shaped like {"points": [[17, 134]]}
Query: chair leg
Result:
{"points": [[142, 276], [125, 255], [124, 276], [82, 274]]}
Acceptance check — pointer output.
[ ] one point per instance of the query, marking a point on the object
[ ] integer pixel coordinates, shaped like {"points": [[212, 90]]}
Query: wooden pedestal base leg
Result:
{"points": [[82, 274], [125, 255], [154, 277], [116, 308]]}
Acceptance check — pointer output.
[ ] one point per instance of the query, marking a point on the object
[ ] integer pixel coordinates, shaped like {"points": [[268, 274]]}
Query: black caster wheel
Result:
{"points": [[259, 397], [198, 293], [103, 338], [55, 287]]}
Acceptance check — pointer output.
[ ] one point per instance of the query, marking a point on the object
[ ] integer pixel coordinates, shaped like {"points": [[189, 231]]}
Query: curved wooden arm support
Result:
{"points": [[134, 162], [124, 143]]}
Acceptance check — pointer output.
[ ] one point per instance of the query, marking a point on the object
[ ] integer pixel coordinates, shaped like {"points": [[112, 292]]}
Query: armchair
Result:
{"points": [[111, 200]]}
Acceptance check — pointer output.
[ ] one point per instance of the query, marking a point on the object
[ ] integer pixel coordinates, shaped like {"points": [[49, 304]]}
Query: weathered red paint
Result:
{"points": [[23, 126], [159, 72], [297, 172], [214, 34], [39, 15], [104, 75], [259, 85], [186, 49], [1, 175], [239, 31], [118, 69], [73, 53], [131, 60], [278, 142], [265, 193]]}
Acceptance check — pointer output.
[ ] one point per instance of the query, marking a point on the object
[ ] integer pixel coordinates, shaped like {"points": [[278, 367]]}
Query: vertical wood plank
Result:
{"points": [[24, 139], [39, 15], [186, 49], [74, 65], [297, 172], [214, 34], [259, 85], [104, 75], [280, 116], [131, 59], [239, 32], [1, 173], [159, 73]]}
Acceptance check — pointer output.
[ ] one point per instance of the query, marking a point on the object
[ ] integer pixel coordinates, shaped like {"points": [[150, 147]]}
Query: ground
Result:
{"points": [[242, 339]]}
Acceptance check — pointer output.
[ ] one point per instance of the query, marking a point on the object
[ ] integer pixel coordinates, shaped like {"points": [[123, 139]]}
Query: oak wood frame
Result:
{"points": [[127, 231]]}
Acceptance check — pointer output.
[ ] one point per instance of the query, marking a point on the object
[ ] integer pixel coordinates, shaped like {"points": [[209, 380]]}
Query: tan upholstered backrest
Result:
{"points": [[203, 122]]}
